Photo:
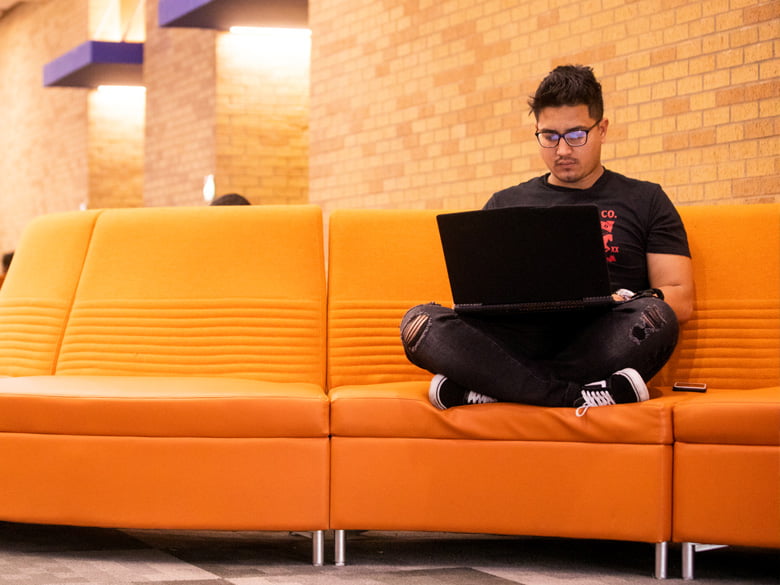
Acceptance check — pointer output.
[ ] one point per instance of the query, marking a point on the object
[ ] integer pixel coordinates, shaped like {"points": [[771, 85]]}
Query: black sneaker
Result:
{"points": [[444, 393], [622, 387]]}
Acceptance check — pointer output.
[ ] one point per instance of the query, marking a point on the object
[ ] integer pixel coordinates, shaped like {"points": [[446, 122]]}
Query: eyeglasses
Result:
{"points": [[573, 138]]}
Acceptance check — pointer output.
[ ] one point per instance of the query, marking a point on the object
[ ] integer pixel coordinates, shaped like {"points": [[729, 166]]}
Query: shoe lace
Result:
{"points": [[594, 398], [477, 398]]}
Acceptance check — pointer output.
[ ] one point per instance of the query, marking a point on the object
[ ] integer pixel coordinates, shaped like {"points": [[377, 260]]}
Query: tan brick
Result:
{"points": [[663, 55], [705, 136], [651, 110], [745, 74], [755, 186], [688, 157], [677, 105], [703, 101], [662, 90], [729, 20], [676, 141], [746, 113], [729, 133], [743, 37], [703, 26], [703, 64], [745, 150], [677, 176], [688, 12], [716, 116], [715, 42], [763, 90], [770, 69], [716, 79], [689, 121], [690, 85], [729, 59], [760, 167], [769, 31], [651, 144], [761, 12], [759, 51], [770, 108]]}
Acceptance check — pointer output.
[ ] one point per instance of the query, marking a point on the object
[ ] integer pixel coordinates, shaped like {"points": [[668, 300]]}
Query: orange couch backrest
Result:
{"points": [[202, 291], [380, 263], [38, 291], [733, 339]]}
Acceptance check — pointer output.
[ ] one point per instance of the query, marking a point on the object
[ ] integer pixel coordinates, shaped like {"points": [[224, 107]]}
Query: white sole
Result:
{"points": [[638, 384], [433, 391]]}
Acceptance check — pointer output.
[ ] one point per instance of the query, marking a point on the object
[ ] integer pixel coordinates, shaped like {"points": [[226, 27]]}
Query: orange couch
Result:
{"points": [[165, 369], [627, 472], [726, 487]]}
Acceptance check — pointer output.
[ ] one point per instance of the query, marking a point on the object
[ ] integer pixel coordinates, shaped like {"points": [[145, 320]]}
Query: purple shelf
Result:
{"points": [[97, 63], [222, 14]]}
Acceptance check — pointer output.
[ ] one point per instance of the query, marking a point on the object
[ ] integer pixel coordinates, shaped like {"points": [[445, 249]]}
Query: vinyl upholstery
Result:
{"points": [[632, 472], [190, 368], [166, 368]]}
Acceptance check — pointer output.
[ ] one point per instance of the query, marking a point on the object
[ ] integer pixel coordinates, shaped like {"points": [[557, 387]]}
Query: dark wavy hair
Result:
{"points": [[230, 199], [569, 85]]}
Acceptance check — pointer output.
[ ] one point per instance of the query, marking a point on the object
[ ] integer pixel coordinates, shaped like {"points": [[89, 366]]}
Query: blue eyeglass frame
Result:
{"points": [[566, 136]]}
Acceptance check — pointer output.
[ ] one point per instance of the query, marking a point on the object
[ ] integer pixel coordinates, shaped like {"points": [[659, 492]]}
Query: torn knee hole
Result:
{"points": [[413, 330], [651, 320]]}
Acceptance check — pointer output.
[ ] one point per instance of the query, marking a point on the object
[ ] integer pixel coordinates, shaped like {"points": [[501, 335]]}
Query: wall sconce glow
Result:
{"points": [[274, 41], [124, 90], [209, 188], [269, 31], [127, 97]]}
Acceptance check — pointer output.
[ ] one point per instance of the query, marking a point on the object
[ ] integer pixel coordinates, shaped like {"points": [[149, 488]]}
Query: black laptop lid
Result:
{"points": [[525, 258]]}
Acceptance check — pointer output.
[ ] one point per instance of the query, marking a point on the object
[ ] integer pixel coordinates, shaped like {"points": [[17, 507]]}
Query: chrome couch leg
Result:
{"points": [[689, 550], [318, 548], [340, 547], [688, 553], [661, 559]]}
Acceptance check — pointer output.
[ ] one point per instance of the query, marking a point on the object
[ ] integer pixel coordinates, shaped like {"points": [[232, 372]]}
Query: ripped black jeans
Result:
{"points": [[540, 359]]}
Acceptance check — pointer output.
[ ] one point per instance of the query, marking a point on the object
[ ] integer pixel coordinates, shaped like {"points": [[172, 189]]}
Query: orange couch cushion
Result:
{"points": [[161, 407], [735, 417], [402, 409]]}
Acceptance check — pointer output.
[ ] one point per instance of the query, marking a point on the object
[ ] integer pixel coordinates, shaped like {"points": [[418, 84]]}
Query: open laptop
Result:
{"points": [[526, 259]]}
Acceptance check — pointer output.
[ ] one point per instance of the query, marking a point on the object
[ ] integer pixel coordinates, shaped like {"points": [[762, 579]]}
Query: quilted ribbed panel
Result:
{"points": [[729, 344], [380, 264], [30, 334], [224, 291], [274, 340], [37, 293], [365, 345], [733, 339]]}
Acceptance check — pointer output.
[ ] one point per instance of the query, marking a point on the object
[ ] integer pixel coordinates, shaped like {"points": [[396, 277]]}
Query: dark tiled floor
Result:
{"points": [[55, 555]]}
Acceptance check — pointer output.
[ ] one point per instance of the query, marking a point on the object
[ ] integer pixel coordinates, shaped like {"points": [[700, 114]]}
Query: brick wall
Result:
{"points": [[411, 103], [116, 147], [180, 79], [223, 105], [262, 122], [63, 148], [43, 140], [422, 103]]}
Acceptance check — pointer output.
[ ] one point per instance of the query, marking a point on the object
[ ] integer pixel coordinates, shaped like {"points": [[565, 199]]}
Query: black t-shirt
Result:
{"points": [[637, 218]]}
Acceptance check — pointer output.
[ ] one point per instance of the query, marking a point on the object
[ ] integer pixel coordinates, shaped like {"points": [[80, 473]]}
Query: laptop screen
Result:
{"points": [[518, 255]]}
